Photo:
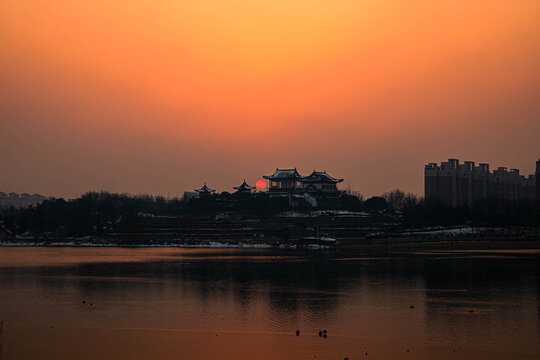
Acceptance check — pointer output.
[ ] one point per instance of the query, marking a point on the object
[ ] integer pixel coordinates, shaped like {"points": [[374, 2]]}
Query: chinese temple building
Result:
{"points": [[284, 180], [290, 181], [319, 181], [205, 190], [244, 188]]}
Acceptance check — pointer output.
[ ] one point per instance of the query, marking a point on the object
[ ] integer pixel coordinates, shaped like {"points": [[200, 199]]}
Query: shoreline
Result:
{"points": [[348, 245]]}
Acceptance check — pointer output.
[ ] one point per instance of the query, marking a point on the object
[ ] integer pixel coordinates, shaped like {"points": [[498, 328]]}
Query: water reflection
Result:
{"points": [[433, 302]]}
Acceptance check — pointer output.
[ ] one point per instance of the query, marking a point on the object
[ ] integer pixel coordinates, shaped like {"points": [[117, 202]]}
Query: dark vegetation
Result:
{"points": [[92, 213], [19, 200], [98, 213]]}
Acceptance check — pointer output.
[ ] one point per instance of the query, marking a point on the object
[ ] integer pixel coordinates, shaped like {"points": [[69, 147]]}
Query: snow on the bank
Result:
{"points": [[323, 213], [211, 244], [454, 231]]}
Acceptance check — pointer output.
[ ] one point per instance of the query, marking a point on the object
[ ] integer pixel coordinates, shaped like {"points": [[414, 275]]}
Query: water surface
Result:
{"points": [[171, 303]]}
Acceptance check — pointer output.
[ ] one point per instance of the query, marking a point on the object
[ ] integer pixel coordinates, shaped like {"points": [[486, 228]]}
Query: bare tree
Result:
{"points": [[398, 200]]}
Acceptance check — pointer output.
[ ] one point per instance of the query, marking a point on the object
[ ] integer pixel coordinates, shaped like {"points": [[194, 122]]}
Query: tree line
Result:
{"points": [[96, 213]]}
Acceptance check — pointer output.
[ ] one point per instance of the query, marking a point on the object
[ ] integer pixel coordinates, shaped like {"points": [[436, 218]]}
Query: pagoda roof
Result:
{"points": [[205, 190], [244, 186], [320, 177], [284, 174]]}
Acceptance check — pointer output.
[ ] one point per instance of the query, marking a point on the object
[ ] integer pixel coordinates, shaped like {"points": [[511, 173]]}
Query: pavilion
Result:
{"points": [[244, 188], [205, 190]]}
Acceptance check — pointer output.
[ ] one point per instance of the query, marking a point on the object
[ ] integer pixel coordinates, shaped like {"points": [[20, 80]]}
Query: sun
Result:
{"points": [[260, 184]]}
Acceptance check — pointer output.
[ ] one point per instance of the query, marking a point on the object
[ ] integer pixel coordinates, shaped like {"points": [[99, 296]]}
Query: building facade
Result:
{"points": [[464, 184], [537, 182]]}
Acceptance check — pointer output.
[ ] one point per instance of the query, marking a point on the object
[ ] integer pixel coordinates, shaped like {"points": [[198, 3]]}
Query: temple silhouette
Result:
{"points": [[290, 181], [290, 184]]}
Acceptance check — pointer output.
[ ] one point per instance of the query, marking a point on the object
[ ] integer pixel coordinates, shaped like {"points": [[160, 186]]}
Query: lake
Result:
{"points": [[178, 303]]}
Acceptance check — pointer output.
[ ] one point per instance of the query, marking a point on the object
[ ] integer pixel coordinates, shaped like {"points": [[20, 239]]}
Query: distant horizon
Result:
{"points": [[158, 97], [342, 186]]}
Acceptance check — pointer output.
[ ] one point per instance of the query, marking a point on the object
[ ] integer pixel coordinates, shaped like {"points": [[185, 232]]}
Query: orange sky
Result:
{"points": [[160, 96]]}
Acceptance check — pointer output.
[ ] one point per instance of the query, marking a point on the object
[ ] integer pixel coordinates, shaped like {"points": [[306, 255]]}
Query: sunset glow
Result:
{"points": [[269, 179], [260, 184], [159, 96]]}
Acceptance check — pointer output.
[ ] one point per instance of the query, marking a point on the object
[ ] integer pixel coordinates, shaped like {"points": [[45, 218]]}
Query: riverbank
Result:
{"points": [[359, 244]]}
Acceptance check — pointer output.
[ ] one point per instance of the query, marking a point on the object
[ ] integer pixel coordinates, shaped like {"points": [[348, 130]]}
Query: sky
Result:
{"points": [[160, 96]]}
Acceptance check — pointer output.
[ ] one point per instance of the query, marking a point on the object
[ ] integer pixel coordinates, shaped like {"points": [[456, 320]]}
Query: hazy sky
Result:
{"points": [[160, 96]]}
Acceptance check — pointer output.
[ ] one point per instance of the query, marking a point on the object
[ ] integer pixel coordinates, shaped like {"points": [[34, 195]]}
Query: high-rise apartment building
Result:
{"points": [[463, 184]]}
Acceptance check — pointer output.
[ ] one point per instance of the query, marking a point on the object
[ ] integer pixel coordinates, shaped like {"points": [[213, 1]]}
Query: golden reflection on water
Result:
{"points": [[48, 256], [171, 303]]}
